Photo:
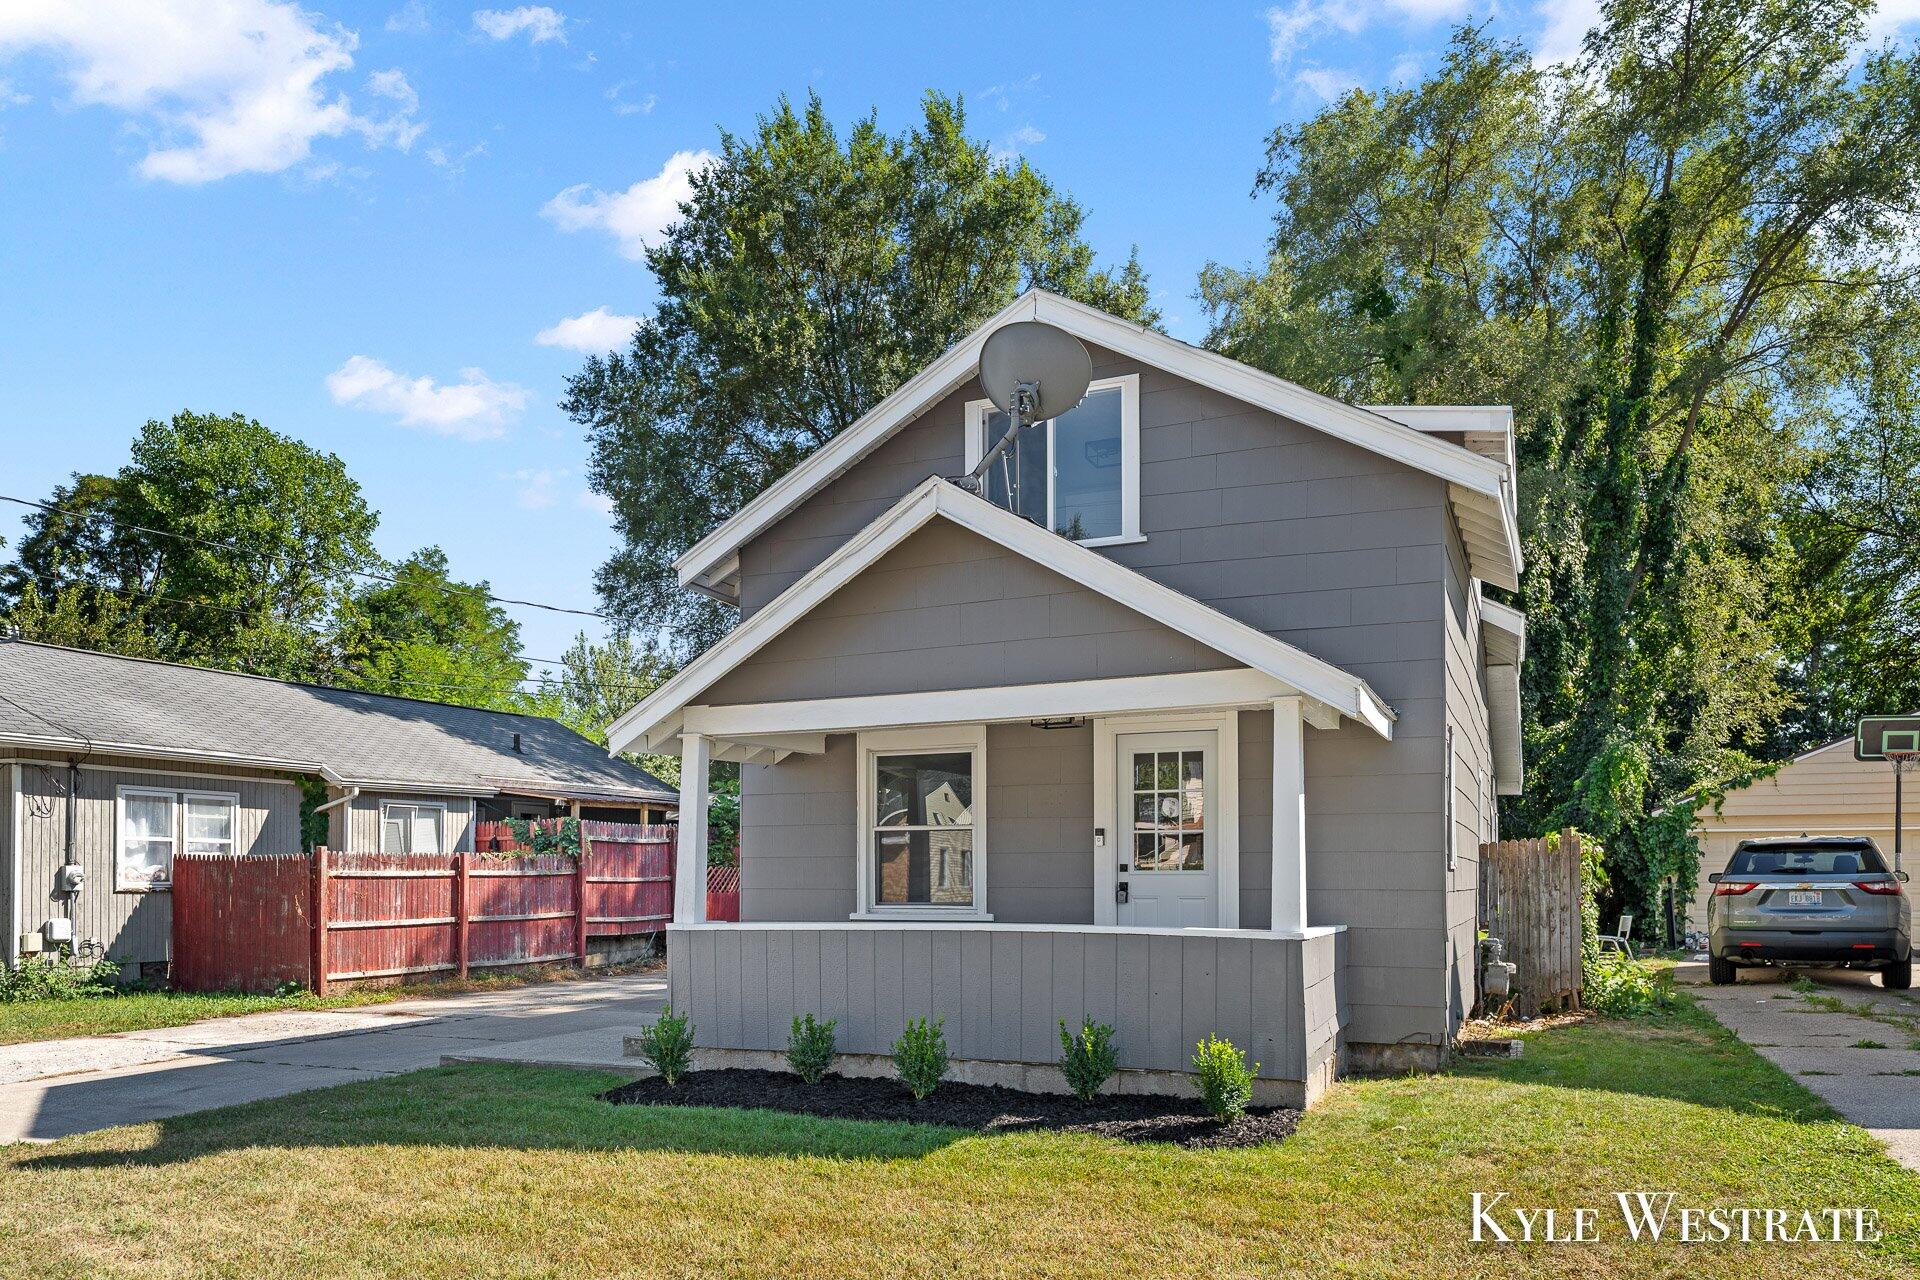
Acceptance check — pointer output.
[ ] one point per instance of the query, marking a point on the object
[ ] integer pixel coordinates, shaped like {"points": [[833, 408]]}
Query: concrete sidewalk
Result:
{"points": [[1832, 1051], [60, 1087]]}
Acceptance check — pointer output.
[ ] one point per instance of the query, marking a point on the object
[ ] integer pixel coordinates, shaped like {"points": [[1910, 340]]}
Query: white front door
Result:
{"points": [[1168, 860]]}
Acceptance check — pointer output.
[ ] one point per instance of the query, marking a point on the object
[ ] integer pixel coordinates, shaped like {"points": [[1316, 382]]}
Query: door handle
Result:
{"points": [[1120, 892]]}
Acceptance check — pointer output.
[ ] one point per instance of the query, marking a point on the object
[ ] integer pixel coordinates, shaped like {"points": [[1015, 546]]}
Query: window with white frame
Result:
{"points": [[1077, 474], [412, 827], [154, 822], [922, 821]]}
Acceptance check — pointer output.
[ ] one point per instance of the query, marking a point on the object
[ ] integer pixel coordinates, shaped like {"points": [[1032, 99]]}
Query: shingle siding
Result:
{"points": [[1331, 547]]}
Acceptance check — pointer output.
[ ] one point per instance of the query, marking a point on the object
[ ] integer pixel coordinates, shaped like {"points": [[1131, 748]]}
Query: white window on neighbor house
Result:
{"points": [[412, 827], [1077, 474], [154, 822], [922, 799]]}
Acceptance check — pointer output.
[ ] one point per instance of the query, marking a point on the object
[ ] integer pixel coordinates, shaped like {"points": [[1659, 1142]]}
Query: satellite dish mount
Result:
{"points": [[1031, 372]]}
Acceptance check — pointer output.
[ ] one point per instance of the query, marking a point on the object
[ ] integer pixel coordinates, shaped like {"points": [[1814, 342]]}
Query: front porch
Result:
{"points": [[1003, 990]]}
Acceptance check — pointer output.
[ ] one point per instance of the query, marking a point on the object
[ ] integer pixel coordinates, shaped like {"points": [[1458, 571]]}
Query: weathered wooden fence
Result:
{"points": [[1530, 900], [328, 917], [723, 894]]}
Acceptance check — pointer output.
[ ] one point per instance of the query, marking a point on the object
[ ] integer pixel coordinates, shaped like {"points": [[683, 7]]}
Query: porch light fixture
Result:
{"points": [[1058, 722]]}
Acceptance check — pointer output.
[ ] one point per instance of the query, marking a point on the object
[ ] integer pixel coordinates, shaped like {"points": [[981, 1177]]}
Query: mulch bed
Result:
{"points": [[988, 1108]]}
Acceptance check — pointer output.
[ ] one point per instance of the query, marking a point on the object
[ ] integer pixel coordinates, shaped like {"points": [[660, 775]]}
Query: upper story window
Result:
{"points": [[1077, 474]]}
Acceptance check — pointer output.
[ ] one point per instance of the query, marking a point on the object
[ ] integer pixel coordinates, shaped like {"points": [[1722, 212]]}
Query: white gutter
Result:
{"points": [[349, 794]]}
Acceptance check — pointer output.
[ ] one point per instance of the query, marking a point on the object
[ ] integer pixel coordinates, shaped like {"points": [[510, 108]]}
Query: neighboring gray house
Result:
{"points": [[1220, 761], [114, 763]]}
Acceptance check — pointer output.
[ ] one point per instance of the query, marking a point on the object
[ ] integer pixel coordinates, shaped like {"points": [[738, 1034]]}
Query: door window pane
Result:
{"points": [[1169, 811]]}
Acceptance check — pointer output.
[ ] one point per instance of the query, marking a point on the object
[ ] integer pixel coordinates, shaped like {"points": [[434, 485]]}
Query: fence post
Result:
{"points": [[318, 914], [461, 910], [580, 894]]}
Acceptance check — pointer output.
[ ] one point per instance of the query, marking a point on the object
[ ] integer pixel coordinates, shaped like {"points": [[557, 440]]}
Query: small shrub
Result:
{"points": [[1616, 986], [667, 1045], [56, 977], [1226, 1082], [810, 1048], [920, 1056], [1087, 1060]]}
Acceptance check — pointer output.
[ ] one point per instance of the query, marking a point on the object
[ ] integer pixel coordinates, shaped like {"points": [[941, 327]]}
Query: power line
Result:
{"points": [[229, 548]]}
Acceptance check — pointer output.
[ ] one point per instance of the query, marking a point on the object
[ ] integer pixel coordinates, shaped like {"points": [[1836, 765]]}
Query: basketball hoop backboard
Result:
{"points": [[1887, 738]]}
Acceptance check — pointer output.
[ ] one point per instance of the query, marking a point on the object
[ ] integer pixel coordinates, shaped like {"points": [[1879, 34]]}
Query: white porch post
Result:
{"points": [[690, 870], [1289, 816]]}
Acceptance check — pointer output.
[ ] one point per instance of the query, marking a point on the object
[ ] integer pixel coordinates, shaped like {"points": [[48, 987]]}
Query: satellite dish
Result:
{"points": [[1034, 369]]}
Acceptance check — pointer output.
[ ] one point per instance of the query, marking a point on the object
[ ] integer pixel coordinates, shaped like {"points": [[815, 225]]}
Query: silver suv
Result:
{"points": [[1810, 900]]}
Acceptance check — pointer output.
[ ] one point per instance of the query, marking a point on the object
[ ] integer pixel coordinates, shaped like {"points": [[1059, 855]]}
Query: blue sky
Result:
{"points": [[391, 229]]}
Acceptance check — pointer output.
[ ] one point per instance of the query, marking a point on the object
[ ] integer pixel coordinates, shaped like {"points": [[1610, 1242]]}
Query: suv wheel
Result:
{"points": [[1897, 975], [1721, 972]]}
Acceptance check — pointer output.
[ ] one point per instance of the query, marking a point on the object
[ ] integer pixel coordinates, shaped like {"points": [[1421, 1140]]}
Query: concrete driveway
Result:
{"points": [[60, 1087], [1853, 1042]]}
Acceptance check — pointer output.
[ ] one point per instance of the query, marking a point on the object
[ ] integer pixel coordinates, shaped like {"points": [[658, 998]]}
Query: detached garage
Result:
{"points": [[1823, 792]]}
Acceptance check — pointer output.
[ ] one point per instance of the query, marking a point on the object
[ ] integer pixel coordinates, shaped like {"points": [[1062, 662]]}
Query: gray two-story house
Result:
{"points": [[1195, 730]]}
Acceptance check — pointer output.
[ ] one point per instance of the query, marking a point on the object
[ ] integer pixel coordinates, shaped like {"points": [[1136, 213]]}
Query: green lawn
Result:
{"points": [[499, 1171], [144, 1010]]}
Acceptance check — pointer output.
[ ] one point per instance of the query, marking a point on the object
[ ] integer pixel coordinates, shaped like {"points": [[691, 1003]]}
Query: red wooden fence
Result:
{"points": [[723, 893], [382, 915]]}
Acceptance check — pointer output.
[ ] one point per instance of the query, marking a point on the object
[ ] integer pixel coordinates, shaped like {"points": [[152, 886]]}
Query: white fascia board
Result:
{"points": [[1448, 417], [96, 746], [1362, 427], [751, 723], [1503, 729], [1505, 618], [658, 716]]}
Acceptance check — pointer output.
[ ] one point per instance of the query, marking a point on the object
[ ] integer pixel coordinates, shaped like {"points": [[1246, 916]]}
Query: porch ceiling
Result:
{"points": [[1265, 667]]}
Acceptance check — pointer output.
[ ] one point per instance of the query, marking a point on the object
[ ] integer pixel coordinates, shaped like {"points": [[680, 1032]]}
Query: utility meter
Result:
{"points": [[57, 931], [69, 878]]}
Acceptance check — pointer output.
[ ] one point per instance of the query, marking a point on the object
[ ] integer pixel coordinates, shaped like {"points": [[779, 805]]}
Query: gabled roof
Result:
{"points": [[1480, 488], [660, 716], [77, 700]]}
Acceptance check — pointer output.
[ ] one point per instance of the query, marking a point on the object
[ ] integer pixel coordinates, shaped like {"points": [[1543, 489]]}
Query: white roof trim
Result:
{"points": [[1481, 486], [1509, 621], [661, 714]]}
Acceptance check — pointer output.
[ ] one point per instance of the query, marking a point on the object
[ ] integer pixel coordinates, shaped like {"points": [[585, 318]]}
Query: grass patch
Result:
{"points": [[1867, 1044], [502, 1171], [29, 1020]]}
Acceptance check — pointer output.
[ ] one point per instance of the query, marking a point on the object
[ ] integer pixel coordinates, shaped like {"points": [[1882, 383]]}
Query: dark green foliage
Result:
{"points": [[560, 836], [920, 1055], [808, 276], [810, 1048], [1087, 1059], [1683, 264], [666, 1045], [57, 977], [425, 635], [1226, 1082]]}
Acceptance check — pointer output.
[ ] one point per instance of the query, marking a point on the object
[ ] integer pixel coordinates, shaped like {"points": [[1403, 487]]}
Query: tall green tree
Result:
{"points": [[807, 277], [419, 633], [231, 544], [1637, 254], [597, 683]]}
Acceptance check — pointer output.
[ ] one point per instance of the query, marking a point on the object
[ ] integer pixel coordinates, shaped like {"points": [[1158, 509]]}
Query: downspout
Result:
{"points": [[348, 794]]}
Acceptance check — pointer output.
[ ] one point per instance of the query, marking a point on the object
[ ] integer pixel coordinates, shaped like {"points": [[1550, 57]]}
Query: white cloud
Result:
{"points": [[593, 332], [392, 85], [588, 500], [537, 22], [625, 107], [1292, 27], [410, 19], [12, 97], [1890, 16], [218, 86], [533, 490], [1326, 83], [1563, 25], [1026, 136], [475, 408], [634, 217]]}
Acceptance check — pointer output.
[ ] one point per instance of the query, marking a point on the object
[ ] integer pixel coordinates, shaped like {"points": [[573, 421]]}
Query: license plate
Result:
{"points": [[1805, 897]]}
